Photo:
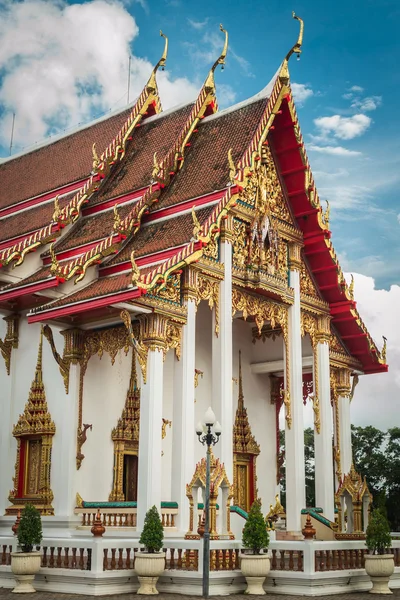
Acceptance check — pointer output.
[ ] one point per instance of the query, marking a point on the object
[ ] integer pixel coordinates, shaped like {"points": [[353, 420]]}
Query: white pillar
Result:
{"points": [[153, 333], [183, 439], [65, 493], [345, 433], [324, 492], [294, 436], [222, 362], [7, 442]]}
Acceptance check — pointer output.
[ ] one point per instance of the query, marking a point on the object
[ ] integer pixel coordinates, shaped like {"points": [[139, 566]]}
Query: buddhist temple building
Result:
{"points": [[161, 262]]}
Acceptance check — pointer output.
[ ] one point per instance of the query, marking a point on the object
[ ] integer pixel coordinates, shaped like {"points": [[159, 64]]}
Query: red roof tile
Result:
{"points": [[40, 275], [59, 163]]}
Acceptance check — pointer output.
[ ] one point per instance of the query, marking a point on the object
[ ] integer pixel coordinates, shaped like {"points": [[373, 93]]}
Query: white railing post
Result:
{"points": [[309, 557], [97, 556]]}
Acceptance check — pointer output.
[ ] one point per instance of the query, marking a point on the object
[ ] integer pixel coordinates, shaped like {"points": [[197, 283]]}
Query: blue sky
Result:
{"points": [[347, 87]]}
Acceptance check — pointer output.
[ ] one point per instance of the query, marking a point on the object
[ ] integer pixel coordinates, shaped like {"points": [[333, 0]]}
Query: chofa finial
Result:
{"points": [[209, 84], [296, 49], [151, 84]]}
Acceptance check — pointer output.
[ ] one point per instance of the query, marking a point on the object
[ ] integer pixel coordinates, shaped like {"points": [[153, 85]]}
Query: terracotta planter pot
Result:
{"points": [[24, 566], [379, 567], [149, 567], [255, 567]]}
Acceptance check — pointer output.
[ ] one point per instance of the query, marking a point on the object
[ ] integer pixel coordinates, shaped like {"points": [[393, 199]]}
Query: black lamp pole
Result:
{"points": [[209, 438]]}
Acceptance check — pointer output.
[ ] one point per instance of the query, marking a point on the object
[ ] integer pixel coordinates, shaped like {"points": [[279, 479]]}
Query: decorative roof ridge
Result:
{"points": [[114, 152]]}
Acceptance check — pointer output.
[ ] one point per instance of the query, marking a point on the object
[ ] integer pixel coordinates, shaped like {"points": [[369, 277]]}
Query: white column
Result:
{"points": [[153, 330], [324, 492], [345, 433], [65, 493], [183, 440], [7, 442], [222, 362], [294, 436]]}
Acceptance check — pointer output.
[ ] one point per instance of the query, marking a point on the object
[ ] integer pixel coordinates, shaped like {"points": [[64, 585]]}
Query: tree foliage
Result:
{"points": [[153, 533], [309, 467], [30, 528], [378, 538], [255, 535]]}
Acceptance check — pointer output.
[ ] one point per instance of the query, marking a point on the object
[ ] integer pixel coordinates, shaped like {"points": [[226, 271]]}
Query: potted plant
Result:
{"points": [[379, 563], [255, 564], [26, 563], [150, 564]]}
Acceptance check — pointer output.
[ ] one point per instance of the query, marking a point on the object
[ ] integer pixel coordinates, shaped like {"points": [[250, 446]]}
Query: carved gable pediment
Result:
{"points": [[307, 285]]}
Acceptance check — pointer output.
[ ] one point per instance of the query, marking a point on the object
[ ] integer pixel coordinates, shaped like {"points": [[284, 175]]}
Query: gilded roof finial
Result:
{"points": [[296, 49], [196, 225], [135, 270], [117, 218], [133, 386], [95, 159], [54, 262], [326, 214], [351, 287], [57, 209], [156, 167], [209, 84], [232, 167], [383, 351], [151, 84]]}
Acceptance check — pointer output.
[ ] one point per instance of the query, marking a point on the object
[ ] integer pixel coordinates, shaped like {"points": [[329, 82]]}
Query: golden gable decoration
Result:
{"points": [[353, 497], [126, 436], [245, 451], [34, 432]]}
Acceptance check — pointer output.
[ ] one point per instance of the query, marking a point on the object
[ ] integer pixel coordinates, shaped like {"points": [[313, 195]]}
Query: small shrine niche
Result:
{"points": [[126, 445], [353, 502], [219, 482], [34, 433], [245, 452]]}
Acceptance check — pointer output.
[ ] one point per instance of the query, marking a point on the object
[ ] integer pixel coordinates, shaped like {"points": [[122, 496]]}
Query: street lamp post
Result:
{"points": [[208, 434]]}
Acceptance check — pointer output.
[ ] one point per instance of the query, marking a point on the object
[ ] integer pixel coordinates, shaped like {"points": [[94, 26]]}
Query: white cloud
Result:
{"points": [[377, 396], [367, 104], [62, 64], [344, 128], [197, 24], [333, 150], [357, 88], [398, 218], [301, 92]]}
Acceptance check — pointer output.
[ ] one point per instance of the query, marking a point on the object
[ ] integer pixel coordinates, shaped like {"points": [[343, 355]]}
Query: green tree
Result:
{"points": [[309, 465], [30, 528], [255, 535], [153, 533]]}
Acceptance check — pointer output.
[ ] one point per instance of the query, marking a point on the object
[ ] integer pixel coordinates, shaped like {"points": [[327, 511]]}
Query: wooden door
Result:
{"points": [[130, 477], [33, 461]]}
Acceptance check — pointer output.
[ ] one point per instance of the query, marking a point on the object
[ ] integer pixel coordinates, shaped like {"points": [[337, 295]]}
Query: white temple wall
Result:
{"points": [[7, 442], [104, 395], [203, 362]]}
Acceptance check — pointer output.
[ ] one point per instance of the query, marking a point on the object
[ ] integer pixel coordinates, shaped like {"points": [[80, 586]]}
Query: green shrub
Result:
{"points": [[30, 528], [255, 535], [153, 533], [378, 538]]}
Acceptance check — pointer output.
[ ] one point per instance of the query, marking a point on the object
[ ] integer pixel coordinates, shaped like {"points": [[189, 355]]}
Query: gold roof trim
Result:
{"points": [[243, 440]]}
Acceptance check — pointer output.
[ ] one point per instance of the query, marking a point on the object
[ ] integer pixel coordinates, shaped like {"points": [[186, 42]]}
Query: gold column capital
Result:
{"points": [[323, 333], [189, 284], [153, 331], [295, 256], [227, 231], [340, 380], [73, 344]]}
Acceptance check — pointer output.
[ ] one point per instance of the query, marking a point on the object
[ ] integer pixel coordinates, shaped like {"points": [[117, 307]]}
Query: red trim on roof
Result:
{"points": [[75, 252], [140, 261], [28, 289], [72, 309], [183, 206], [101, 206], [71, 187], [14, 241]]}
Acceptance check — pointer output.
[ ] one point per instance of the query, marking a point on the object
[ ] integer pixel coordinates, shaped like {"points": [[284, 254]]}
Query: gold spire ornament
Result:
{"points": [[135, 270], [383, 351], [117, 218], [54, 268], [152, 84], [351, 287], [296, 49], [196, 225], [210, 83], [232, 167], [156, 168], [326, 214], [95, 159], [57, 209]]}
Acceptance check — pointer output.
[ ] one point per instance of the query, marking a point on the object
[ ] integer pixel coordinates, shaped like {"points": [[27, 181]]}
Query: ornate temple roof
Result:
{"points": [[159, 184]]}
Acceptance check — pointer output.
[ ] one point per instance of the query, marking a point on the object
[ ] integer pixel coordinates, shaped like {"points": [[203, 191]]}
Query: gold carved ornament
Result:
{"points": [[356, 487], [63, 364], [309, 324], [126, 434], [10, 340], [296, 49], [35, 430], [245, 451], [263, 310], [208, 289]]}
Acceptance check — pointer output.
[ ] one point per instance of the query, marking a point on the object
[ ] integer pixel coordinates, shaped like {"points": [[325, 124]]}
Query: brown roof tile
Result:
{"points": [[160, 236], [59, 163], [41, 274], [134, 171], [206, 168]]}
